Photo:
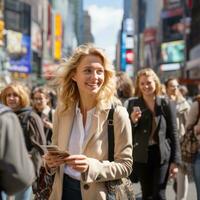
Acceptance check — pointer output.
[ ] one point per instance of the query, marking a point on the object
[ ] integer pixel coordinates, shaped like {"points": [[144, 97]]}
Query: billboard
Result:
{"points": [[19, 51], [57, 38], [173, 52]]}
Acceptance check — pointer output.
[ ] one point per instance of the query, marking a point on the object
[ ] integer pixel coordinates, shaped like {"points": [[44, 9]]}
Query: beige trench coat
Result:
{"points": [[95, 147]]}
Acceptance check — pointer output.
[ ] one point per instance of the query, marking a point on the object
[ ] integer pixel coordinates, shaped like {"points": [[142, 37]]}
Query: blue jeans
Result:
{"points": [[196, 174], [25, 194]]}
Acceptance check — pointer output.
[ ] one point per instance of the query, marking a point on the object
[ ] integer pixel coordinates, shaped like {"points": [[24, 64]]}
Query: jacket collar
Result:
{"points": [[67, 117]]}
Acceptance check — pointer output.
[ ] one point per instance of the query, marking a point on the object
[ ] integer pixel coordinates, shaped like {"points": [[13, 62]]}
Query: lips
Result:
{"points": [[93, 86]]}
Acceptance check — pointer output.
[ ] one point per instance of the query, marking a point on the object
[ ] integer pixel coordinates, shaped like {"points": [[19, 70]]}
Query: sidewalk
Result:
{"points": [[170, 192]]}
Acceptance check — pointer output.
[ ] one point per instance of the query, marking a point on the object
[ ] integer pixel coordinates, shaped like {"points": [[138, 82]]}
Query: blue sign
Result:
{"points": [[123, 52], [20, 60]]}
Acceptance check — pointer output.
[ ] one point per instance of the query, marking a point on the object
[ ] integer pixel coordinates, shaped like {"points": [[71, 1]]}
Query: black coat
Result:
{"points": [[166, 130]]}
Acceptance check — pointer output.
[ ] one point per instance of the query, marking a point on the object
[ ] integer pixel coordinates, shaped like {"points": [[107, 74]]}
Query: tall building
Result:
{"points": [[193, 64], [125, 45], [173, 54], [146, 15], [39, 35], [87, 34]]}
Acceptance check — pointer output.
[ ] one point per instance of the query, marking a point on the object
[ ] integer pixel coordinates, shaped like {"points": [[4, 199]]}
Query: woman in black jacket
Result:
{"points": [[156, 150]]}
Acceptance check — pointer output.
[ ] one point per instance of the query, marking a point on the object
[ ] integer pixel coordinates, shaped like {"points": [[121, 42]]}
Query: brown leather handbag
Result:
{"points": [[120, 189], [189, 143]]}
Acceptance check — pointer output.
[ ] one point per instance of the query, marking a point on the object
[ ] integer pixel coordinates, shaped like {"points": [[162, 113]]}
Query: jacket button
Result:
{"points": [[145, 131], [86, 186]]}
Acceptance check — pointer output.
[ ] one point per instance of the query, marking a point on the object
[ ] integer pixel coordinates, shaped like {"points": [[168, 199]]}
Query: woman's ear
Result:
{"points": [[74, 77]]}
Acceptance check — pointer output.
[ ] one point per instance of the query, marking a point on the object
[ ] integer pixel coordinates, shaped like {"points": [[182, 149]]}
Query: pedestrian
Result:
{"points": [[181, 182], [194, 117], [85, 95], [42, 106], [16, 96], [125, 88], [16, 168], [156, 149]]}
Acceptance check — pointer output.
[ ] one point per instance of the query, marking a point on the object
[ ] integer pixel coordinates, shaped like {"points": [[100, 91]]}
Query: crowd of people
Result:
{"points": [[150, 120]]}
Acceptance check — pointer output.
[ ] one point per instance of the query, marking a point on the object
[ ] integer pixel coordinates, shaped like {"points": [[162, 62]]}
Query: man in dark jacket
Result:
{"points": [[16, 168]]}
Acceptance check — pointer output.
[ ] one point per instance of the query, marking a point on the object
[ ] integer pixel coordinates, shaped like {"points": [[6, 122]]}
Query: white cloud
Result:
{"points": [[106, 22]]}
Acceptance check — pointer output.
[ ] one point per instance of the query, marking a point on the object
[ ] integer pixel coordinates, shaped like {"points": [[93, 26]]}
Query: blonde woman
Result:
{"points": [[182, 110], [16, 96], [156, 149], [86, 94]]}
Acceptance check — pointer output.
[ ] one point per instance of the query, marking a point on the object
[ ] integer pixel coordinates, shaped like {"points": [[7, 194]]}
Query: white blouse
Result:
{"points": [[78, 135]]}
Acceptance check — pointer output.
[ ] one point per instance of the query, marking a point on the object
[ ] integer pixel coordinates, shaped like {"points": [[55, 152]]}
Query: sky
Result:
{"points": [[106, 17]]}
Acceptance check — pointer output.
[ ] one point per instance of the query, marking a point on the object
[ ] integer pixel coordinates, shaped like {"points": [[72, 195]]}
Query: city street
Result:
{"points": [[170, 192]]}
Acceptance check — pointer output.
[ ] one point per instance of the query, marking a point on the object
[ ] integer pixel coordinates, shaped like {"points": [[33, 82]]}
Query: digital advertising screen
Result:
{"points": [[173, 52]]}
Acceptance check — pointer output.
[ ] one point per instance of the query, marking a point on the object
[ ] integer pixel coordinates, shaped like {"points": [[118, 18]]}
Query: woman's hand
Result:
{"points": [[52, 160], [77, 162], [136, 114], [173, 170]]}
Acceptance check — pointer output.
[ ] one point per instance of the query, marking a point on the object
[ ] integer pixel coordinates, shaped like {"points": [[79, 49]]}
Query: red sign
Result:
{"points": [[129, 56]]}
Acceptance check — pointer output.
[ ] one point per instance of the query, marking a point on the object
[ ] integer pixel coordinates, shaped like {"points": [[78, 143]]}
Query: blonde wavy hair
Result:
{"points": [[68, 92], [147, 72], [22, 92]]}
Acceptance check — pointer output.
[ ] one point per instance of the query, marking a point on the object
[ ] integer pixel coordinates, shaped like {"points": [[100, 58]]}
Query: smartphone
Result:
{"points": [[136, 109], [54, 150]]}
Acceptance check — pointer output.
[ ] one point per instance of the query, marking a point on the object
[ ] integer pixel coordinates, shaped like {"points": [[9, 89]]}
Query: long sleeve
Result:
{"points": [[16, 167]]}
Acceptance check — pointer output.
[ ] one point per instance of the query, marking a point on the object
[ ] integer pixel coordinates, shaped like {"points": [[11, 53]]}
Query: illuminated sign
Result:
{"points": [[173, 52]]}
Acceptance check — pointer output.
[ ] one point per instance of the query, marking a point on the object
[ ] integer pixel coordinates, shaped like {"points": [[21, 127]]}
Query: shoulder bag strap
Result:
{"points": [[198, 116], [111, 137]]}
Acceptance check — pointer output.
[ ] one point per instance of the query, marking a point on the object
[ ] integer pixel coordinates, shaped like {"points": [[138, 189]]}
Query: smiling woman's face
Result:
{"points": [[89, 75], [147, 85]]}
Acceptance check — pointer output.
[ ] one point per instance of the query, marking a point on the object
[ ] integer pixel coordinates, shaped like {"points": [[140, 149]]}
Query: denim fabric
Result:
{"points": [[25, 194], [196, 174]]}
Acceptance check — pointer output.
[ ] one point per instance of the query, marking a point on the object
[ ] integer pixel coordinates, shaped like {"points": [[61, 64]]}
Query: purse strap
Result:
{"points": [[197, 119], [198, 116], [111, 137]]}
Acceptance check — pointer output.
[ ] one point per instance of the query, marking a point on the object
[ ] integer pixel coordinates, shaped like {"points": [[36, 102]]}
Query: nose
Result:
{"points": [[94, 75]]}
